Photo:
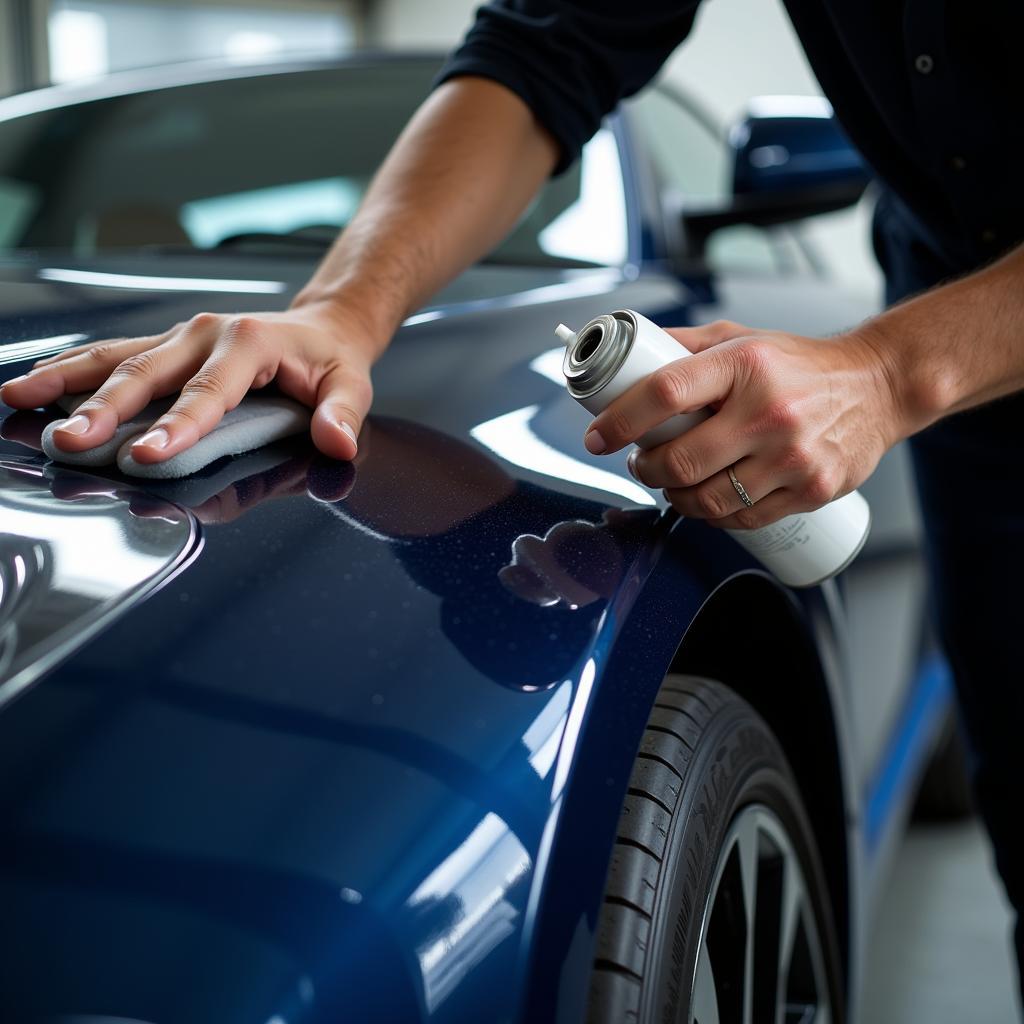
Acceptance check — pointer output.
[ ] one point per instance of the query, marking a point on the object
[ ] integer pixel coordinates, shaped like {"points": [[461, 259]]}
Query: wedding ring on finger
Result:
{"points": [[740, 489]]}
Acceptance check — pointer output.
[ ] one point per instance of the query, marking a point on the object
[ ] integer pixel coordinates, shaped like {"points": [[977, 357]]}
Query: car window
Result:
{"points": [[217, 162], [580, 216], [692, 161], [686, 153]]}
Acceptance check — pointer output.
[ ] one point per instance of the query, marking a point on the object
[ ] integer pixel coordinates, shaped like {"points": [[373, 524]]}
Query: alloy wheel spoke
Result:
{"points": [[705, 995], [792, 908], [747, 845]]}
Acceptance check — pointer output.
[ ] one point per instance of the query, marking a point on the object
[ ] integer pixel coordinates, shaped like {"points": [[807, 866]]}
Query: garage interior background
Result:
{"points": [[44, 41], [942, 952]]}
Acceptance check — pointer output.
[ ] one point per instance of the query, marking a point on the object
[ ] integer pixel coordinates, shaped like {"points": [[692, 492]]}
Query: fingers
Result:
{"points": [[716, 497], [131, 386], [697, 339], [770, 509], [713, 501], [75, 371], [118, 348], [694, 456], [241, 353], [686, 385], [343, 399]]}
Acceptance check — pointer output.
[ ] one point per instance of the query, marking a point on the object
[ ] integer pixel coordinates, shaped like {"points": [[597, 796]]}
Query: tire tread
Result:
{"points": [[655, 785]]}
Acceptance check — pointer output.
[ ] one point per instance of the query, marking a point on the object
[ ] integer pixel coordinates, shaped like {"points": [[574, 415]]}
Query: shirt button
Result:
{"points": [[988, 236], [958, 163], [924, 63]]}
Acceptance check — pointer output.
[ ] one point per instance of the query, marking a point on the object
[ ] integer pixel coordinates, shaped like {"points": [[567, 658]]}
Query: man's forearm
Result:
{"points": [[456, 181], [957, 346]]}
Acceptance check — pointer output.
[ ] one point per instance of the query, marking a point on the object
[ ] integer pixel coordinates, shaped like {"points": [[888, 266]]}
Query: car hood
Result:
{"points": [[313, 763]]}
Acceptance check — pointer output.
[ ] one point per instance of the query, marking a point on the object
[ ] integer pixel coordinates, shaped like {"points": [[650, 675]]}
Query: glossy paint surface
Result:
{"points": [[363, 757], [339, 741]]}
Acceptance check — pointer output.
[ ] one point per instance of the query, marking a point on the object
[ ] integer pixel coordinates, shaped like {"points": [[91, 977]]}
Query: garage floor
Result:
{"points": [[941, 949]]}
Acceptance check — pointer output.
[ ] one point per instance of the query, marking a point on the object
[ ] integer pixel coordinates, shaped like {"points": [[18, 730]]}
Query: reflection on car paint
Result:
{"points": [[570, 566], [511, 437], [575, 563], [549, 365], [152, 283], [71, 563], [543, 737], [461, 906], [36, 348]]}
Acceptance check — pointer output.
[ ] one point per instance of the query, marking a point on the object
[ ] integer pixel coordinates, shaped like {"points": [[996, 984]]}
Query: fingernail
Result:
{"points": [[348, 430], [75, 425], [14, 380], [631, 465], [594, 442], [154, 439]]}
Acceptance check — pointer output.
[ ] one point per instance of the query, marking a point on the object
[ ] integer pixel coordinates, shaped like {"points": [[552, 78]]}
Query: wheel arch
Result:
{"points": [[751, 636]]}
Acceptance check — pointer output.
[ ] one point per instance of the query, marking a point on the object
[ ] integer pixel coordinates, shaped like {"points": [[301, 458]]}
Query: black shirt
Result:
{"points": [[930, 91]]}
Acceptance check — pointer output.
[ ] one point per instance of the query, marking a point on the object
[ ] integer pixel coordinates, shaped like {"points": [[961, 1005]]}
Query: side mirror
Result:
{"points": [[790, 160]]}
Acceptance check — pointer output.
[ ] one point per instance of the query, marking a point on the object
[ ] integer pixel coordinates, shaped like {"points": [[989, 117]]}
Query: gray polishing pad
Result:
{"points": [[256, 421]]}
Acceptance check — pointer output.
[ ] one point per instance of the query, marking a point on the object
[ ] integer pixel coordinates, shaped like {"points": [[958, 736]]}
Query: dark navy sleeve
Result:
{"points": [[571, 62]]}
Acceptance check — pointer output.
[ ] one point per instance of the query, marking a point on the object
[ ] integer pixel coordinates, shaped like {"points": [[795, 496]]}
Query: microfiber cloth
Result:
{"points": [[254, 422]]}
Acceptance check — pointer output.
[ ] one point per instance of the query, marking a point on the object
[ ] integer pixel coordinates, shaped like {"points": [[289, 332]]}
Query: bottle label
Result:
{"points": [[785, 535]]}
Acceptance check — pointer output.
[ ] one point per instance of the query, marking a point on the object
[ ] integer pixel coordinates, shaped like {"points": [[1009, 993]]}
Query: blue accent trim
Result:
{"points": [[908, 746]]}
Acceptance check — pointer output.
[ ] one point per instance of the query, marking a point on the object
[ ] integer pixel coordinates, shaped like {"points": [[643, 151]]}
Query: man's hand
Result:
{"points": [[316, 353], [802, 421]]}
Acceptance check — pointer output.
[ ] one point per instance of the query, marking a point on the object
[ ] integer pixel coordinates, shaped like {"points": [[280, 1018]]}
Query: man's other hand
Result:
{"points": [[317, 353], [803, 421]]}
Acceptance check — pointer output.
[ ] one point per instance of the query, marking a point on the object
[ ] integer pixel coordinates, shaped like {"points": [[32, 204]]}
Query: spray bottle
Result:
{"points": [[614, 351]]}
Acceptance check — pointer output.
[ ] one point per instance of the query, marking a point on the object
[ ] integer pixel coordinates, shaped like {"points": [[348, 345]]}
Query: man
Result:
{"points": [[930, 91]]}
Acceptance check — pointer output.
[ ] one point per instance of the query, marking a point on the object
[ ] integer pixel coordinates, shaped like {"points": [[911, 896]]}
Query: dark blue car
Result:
{"points": [[475, 729]]}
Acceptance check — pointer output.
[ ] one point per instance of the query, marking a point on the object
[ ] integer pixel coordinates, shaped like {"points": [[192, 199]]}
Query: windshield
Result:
{"points": [[280, 158]]}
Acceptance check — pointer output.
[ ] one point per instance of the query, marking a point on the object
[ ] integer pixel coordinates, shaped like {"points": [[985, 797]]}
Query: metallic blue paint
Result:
{"points": [[364, 758]]}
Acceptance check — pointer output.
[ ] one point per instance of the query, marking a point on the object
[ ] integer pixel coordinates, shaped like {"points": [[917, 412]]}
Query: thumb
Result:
{"points": [[342, 402], [696, 339]]}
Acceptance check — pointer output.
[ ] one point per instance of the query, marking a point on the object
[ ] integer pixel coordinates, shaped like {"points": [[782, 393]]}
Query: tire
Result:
{"points": [[944, 793], [712, 803]]}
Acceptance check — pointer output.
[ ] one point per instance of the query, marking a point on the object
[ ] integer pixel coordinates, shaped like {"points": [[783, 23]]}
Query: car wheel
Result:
{"points": [[716, 909]]}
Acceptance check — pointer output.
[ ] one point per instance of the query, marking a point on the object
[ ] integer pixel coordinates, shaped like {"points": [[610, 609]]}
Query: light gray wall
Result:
{"points": [[413, 23], [23, 49], [143, 33], [738, 49], [7, 79]]}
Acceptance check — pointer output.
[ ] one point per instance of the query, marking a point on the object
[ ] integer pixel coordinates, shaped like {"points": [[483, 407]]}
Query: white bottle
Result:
{"points": [[612, 352]]}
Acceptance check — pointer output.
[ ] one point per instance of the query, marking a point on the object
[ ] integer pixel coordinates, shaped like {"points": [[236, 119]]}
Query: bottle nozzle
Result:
{"points": [[565, 334]]}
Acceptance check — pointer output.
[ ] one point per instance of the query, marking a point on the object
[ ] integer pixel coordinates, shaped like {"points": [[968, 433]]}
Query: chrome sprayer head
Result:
{"points": [[594, 353]]}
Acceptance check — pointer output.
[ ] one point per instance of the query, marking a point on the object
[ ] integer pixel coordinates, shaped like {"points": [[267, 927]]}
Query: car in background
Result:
{"points": [[475, 728]]}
